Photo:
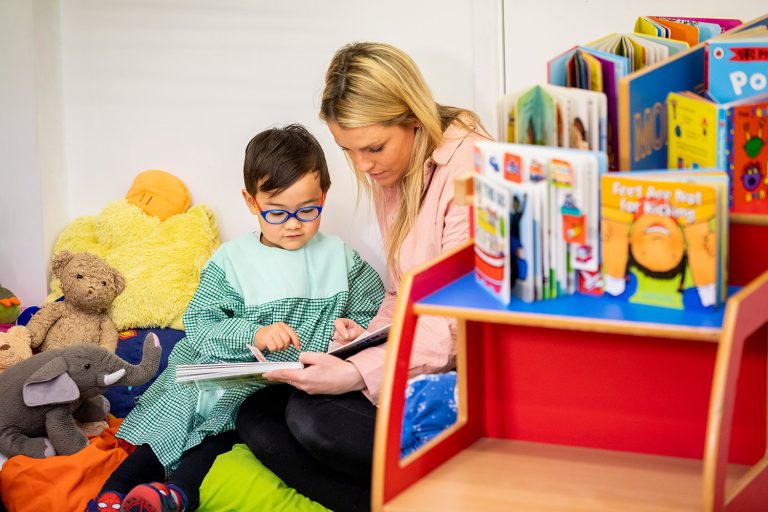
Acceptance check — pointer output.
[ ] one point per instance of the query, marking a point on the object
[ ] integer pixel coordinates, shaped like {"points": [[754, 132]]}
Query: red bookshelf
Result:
{"points": [[564, 411]]}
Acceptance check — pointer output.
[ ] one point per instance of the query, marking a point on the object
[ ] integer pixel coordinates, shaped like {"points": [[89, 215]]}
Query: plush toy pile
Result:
{"points": [[45, 394], [155, 242]]}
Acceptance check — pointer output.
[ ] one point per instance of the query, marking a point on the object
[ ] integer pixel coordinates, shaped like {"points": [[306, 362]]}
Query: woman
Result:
{"points": [[406, 151]]}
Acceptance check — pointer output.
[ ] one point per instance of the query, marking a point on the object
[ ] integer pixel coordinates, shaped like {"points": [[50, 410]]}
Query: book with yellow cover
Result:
{"points": [[728, 136], [664, 237]]}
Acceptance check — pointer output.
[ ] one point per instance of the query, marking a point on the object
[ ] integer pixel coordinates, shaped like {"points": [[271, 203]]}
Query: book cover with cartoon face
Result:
{"points": [[661, 239], [748, 159]]}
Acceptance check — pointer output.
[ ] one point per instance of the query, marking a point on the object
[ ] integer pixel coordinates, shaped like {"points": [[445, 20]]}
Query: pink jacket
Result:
{"points": [[440, 225]]}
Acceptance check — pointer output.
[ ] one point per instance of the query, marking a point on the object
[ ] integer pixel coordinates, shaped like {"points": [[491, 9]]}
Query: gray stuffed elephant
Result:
{"points": [[43, 395]]}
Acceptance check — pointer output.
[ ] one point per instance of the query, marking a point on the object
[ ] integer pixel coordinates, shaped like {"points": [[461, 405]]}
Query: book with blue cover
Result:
{"points": [[737, 68]]}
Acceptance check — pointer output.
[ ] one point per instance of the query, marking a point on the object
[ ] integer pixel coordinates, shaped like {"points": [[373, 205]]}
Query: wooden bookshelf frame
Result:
{"points": [[452, 472]]}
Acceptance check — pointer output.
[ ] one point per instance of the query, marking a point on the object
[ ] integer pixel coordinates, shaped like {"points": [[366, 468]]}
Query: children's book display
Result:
{"points": [[643, 116], [730, 136], [536, 220], [638, 71], [601, 64], [664, 237], [555, 116], [689, 30], [610, 68]]}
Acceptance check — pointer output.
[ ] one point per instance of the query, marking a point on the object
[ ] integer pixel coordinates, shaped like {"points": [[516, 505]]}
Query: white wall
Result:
{"points": [[183, 86], [33, 186], [537, 31], [95, 91]]}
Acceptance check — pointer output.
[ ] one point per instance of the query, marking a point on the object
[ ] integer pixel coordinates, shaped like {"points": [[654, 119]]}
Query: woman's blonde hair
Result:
{"points": [[376, 83]]}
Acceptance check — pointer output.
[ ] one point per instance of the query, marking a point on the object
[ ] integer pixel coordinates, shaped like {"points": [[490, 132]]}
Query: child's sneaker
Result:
{"points": [[154, 497], [107, 502]]}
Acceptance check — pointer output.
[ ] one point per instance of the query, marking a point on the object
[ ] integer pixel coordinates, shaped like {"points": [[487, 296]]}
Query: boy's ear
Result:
{"points": [[250, 202]]}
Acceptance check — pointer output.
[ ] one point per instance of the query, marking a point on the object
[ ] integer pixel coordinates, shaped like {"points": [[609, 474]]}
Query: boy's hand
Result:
{"points": [[345, 330], [278, 336]]}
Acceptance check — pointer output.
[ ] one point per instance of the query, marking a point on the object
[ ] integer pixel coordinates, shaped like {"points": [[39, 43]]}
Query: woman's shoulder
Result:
{"points": [[457, 146]]}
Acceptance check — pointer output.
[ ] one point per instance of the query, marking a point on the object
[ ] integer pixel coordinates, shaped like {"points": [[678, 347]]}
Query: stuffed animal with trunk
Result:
{"points": [[44, 395]]}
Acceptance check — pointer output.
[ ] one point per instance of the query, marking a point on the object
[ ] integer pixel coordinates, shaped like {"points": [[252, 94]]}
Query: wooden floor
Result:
{"points": [[498, 475]]}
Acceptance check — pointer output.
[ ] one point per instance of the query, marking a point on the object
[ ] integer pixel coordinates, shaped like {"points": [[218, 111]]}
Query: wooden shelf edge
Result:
{"points": [[753, 219], [572, 323]]}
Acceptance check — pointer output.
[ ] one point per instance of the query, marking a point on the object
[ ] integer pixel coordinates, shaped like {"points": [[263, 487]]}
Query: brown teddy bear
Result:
{"points": [[14, 346], [89, 285]]}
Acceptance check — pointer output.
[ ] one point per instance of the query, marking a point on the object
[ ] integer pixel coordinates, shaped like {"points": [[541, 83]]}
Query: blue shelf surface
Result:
{"points": [[466, 293]]}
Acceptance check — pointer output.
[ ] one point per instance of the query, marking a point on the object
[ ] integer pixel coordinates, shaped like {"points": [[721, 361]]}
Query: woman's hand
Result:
{"points": [[345, 330], [324, 375], [274, 337]]}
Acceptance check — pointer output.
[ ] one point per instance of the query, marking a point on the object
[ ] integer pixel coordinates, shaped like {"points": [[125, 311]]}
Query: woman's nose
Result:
{"points": [[363, 163]]}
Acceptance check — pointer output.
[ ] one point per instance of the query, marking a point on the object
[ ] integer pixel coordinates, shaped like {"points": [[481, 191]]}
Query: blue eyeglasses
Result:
{"points": [[303, 214]]}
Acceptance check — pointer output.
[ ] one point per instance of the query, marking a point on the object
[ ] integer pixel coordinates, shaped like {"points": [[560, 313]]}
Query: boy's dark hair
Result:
{"points": [[277, 158]]}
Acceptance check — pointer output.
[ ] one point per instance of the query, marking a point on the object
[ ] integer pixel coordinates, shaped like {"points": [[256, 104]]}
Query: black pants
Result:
{"points": [[321, 445], [142, 467]]}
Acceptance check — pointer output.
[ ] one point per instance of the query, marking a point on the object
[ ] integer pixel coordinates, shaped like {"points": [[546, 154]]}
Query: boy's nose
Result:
{"points": [[293, 223]]}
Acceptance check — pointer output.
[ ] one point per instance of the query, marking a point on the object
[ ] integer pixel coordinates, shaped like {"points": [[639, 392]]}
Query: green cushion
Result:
{"points": [[239, 482]]}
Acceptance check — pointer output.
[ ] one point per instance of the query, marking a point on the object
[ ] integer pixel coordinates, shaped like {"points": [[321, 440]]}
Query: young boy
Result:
{"points": [[279, 290]]}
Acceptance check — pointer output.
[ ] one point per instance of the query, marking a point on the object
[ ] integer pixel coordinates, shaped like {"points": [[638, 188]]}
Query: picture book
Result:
{"points": [[522, 248], [603, 65], [728, 136], [612, 69], [664, 237], [492, 210], [693, 123], [362, 342], [748, 156], [536, 218], [737, 68], [227, 375], [555, 116], [689, 30]]}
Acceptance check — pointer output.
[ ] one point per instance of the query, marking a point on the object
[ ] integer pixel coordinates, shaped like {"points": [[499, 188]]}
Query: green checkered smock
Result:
{"points": [[244, 286]]}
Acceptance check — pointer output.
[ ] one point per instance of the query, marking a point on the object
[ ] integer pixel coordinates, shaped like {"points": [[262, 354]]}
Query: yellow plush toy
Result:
{"points": [[159, 246], [159, 193]]}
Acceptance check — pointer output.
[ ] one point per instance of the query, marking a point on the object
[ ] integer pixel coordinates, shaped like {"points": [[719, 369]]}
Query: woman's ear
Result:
{"points": [[250, 202]]}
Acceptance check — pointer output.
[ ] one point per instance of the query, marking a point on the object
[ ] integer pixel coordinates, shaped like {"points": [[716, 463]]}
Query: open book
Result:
{"points": [[228, 375], [362, 342]]}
